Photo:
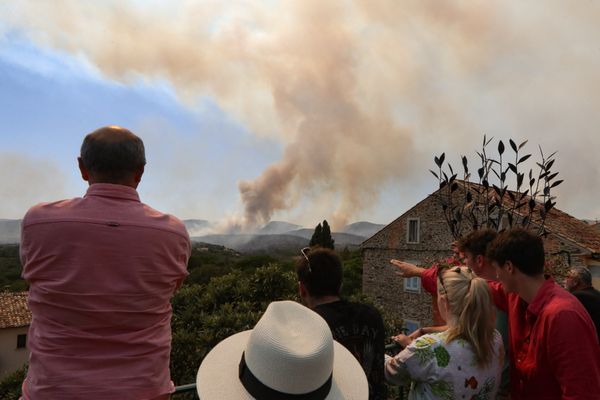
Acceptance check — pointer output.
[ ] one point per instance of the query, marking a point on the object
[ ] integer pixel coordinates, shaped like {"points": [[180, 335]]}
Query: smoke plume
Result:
{"points": [[359, 92]]}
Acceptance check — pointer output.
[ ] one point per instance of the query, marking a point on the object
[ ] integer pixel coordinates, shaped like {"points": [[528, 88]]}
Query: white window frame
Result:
{"points": [[408, 221], [411, 321], [412, 284]]}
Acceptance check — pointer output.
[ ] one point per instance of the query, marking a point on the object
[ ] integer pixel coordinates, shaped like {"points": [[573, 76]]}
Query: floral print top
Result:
{"points": [[437, 370]]}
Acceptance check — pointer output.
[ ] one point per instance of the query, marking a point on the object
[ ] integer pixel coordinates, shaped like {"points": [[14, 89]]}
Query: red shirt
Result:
{"points": [[102, 270], [553, 346]]}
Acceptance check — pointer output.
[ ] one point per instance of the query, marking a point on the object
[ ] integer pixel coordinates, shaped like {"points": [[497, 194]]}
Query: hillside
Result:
{"points": [[281, 243], [10, 231]]}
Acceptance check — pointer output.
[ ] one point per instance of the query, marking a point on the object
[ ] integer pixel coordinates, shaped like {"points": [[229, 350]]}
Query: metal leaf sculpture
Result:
{"points": [[490, 202]]}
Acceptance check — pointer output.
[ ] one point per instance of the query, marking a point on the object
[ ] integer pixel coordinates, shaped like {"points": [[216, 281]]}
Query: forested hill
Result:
{"points": [[10, 269]]}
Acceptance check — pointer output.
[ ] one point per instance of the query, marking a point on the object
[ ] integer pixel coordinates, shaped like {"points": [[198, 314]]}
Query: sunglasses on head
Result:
{"points": [[304, 251], [452, 269]]}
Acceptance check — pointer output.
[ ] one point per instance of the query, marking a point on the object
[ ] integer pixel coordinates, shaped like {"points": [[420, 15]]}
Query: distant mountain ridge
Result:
{"points": [[290, 241], [276, 235], [277, 228], [10, 231], [363, 228]]}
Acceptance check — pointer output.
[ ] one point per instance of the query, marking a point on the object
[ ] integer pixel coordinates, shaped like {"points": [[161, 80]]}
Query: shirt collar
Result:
{"points": [[542, 297], [112, 190]]}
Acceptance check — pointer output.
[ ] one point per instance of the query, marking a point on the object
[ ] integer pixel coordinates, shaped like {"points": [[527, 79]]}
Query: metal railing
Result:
{"points": [[191, 387]]}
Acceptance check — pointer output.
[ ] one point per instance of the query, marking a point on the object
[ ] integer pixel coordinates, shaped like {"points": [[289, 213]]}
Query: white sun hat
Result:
{"points": [[290, 354]]}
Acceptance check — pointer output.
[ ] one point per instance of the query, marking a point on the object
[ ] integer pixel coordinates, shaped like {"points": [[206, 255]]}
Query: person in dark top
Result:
{"points": [[579, 283], [359, 327]]}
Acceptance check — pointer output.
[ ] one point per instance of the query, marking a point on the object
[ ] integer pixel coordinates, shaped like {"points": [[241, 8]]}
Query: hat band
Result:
{"points": [[260, 391]]}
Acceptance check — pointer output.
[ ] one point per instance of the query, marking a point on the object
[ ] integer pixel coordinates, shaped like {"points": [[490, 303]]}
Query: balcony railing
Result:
{"points": [[191, 387]]}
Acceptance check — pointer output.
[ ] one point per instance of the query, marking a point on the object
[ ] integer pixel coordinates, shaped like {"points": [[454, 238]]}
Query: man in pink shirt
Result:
{"points": [[102, 270]]}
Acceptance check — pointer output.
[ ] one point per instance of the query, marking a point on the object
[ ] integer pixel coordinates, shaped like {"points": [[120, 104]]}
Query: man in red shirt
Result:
{"points": [[552, 341], [553, 344], [102, 270]]}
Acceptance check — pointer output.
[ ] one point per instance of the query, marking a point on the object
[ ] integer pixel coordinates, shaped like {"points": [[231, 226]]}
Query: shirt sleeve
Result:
{"points": [[416, 362], [498, 295], [184, 257], [429, 280], [574, 356]]}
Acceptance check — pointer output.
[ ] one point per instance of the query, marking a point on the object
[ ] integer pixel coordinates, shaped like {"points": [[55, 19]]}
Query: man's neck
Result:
{"points": [[130, 184], [530, 286], [488, 273], [317, 301]]}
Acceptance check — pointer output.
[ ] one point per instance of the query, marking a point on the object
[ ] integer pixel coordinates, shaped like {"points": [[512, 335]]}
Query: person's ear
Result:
{"points": [[510, 268], [138, 174], [302, 290], [479, 260], [85, 174]]}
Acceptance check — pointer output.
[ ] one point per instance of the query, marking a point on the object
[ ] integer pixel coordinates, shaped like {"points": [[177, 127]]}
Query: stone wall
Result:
{"points": [[381, 282]]}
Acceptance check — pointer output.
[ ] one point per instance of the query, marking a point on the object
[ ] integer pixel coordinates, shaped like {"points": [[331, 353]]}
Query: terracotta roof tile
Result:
{"points": [[560, 223], [13, 310], [571, 228]]}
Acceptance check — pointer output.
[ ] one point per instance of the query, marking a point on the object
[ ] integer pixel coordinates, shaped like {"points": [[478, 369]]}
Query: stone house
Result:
{"points": [[421, 236], [15, 319]]}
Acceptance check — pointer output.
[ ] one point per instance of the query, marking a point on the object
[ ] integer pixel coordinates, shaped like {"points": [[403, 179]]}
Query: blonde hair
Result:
{"points": [[471, 308]]}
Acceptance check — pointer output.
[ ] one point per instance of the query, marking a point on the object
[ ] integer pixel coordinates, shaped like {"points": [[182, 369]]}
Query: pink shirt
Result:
{"points": [[102, 270]]}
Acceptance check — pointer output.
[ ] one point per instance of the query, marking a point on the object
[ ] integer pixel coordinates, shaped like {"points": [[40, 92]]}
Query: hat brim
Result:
{"points": [[217, 377]]}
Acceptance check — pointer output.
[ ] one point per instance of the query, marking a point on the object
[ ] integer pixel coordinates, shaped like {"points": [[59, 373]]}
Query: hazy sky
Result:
{"points": [[296, 110]]}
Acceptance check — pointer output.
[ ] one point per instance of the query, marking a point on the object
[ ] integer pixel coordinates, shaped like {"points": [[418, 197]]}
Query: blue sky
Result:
{"points": [[50, 100], [295, 110]]}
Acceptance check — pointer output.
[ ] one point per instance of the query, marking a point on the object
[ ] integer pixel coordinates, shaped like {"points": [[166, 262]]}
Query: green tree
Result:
{"points": [[10, 269], [322, 236], [315, 240], [10, 386], [352, 261], [326, 239], [203, 315]]}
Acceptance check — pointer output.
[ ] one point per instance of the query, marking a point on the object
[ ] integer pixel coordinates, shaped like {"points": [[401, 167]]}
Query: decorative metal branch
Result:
{"points": [[469, 206]]}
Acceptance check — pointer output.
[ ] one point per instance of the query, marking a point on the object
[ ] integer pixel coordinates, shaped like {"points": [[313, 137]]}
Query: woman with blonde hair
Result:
{"points": [[463, 362]]}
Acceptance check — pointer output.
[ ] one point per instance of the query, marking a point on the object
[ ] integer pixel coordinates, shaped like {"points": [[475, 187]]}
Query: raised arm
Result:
{"points": [[428, 275], [406, 269]]}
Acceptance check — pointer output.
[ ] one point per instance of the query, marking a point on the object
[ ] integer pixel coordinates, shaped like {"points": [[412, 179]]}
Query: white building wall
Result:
{"points": [[12, 358]]}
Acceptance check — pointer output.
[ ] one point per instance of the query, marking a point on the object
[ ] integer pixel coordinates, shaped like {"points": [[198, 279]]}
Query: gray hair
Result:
{"points": [[583, 274], [113, 153]]}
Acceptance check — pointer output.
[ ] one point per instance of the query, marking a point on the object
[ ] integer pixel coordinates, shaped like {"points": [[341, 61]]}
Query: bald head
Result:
{"points": [[112, 155], [578, 278]]}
